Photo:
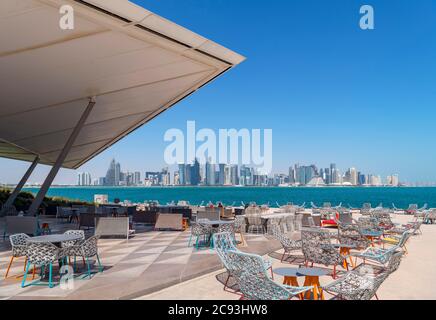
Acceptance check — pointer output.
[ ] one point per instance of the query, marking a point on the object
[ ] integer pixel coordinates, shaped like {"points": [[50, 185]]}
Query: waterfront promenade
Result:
{"points": [[412, 281], [160, 265]]}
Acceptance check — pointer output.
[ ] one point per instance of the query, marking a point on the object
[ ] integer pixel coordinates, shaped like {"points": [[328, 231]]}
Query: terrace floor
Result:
{"points": [[160, 265], [415, 279], [146, 263]]}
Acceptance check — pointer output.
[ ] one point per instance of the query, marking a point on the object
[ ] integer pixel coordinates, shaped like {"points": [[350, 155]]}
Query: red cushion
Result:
{"points": [[330, 222]]}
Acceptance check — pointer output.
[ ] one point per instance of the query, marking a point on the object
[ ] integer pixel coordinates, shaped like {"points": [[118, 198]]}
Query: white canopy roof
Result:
{"points": [[136, 63]]}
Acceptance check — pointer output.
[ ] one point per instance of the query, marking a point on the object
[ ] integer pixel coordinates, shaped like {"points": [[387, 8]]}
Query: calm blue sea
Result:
{"points": [[401, 197]]}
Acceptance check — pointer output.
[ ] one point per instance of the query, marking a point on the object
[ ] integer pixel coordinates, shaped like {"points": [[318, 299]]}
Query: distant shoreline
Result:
{"points": [[212, 187]]}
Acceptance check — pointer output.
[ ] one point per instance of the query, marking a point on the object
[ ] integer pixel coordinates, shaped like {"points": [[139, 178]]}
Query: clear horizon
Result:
{"points": [[330, 91]]}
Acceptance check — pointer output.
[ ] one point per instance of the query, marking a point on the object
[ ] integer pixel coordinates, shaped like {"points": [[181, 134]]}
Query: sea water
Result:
{"points": [[353, 196]]}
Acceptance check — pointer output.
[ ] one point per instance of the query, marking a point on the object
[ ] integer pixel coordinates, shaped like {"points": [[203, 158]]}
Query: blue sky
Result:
{"points": [[330, 91]]}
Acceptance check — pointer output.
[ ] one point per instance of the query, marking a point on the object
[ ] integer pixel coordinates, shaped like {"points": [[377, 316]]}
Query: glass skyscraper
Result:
{"points": [[182, 174], [195, 173]]}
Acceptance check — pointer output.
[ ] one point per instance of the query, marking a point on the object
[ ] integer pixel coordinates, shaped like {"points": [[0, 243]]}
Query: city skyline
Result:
{"points": [[80, 175], [332, 91], [210, 174]]}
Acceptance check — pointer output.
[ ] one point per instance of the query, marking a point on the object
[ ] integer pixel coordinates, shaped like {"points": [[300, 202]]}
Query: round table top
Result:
{"points": [[215, 222], [340, 245], [313, 272], [369, 233], [55, 238], [287, 272]]}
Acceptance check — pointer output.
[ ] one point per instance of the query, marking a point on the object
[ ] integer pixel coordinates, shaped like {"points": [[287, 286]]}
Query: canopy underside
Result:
{"points": [[134, 62]]}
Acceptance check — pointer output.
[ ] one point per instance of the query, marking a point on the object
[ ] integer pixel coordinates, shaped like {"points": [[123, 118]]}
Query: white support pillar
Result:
{"points": [[20, 186], [33, 210]]}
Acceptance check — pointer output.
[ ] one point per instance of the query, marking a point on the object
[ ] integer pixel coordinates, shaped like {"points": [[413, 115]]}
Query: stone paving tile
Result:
{"points": [[144, 259]]}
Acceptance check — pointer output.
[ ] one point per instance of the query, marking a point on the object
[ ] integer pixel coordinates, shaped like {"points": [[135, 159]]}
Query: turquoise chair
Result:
{"points": [[43, 255]]}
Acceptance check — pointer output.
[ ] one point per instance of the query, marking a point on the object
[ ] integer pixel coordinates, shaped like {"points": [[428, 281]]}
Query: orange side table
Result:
{"points": [[345, 250], [290, 276], [312, 279]]}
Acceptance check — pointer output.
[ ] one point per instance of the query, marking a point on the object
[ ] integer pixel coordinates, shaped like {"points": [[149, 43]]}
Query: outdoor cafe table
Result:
{"points": [[290, 276], [275, 215], [215, 222], [56, 239], [312, 279], [372, 235]]}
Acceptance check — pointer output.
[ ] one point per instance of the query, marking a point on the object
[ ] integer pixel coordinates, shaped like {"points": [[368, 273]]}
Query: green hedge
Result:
{"points": [[25, 199]]}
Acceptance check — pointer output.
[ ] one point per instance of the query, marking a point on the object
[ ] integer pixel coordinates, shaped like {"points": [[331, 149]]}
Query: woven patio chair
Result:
{"points": [[224, 243], [366, 209], [390, 267], [86, 249], [255, 284], [349, 234], [354, 286], [67, 244], [240, 228], [227, 227], [399, 241], [43, 255], [369, 273], [200, 232], [368, 224], [413, 227], [255, 223], [317, 248], [307, 221], [80, 233], [223, 228], [430, 217], [383, 218], [19, 250], [378, 256], [344, 217], [298, 222], [288, 244]]}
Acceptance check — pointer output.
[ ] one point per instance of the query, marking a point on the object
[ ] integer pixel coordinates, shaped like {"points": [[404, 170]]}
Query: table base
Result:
{"points": [[346, 252], [293, 282], [318, 293]]}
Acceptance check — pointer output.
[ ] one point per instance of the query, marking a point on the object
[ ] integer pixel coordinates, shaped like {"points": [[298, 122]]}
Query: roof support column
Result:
{"points": [[20, 186], [33, 210]]}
